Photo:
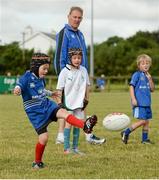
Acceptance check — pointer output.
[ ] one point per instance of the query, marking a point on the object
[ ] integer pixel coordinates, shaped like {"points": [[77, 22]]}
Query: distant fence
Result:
{"points": [[113, 83]]}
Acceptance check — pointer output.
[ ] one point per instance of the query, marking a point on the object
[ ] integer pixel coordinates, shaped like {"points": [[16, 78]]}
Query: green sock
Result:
{"points": [[67, 138], [76, 132]]}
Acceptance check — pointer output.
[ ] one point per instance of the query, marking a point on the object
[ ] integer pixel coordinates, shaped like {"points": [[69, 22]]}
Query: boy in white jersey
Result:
{"points": [[74, 82], [141, 86]]}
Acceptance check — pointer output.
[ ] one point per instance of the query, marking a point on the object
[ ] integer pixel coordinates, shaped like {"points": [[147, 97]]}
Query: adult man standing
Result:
{"points": [[71, 37]]}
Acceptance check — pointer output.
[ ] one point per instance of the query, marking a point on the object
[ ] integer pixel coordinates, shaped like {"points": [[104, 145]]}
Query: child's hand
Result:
{"points": [[17, 91], [148, 75], [55, 94], [152, 86], [134, 102], [85, 103]]}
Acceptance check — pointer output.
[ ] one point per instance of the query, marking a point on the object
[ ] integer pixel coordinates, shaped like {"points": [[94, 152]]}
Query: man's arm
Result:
{"points": [[60, 59]]}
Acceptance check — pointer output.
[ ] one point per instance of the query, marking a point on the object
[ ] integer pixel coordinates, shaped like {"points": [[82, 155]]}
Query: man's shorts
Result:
{"points": [[144, 113]]}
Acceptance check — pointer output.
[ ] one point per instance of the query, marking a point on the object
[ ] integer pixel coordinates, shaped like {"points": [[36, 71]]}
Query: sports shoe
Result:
{"points": [[78, 152], [59, 141], [124, 137], [89, 124], [39, 165], [96, 140], [147, 141]]}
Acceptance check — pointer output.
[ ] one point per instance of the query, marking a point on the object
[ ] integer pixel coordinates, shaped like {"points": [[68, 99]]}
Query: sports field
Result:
{"points": [[111, 160]]}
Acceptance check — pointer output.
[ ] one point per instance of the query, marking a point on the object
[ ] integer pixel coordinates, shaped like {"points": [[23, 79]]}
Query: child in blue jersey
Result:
{"points": [[40, 110], [73, 82], [100, 83], [141, 86]]}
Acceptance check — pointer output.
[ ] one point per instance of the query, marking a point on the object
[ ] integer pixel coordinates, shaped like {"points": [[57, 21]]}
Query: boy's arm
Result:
{"points": [[48, 92], [59, 97], [86, 99], [60, 87], [60, 59], [55, 95], [152, 86], [87, 93], [52, 94], [132, 95]]}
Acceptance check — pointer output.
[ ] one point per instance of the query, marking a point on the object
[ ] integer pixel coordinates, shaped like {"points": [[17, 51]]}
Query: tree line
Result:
{"points": [[114, 57]]}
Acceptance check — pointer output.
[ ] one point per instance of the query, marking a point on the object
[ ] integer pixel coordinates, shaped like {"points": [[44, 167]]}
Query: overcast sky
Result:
{"points": [[111, 17]]}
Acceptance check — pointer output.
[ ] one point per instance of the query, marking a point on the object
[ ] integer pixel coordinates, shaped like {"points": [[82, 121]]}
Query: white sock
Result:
{"points": [[88, 136], [60, 135]]}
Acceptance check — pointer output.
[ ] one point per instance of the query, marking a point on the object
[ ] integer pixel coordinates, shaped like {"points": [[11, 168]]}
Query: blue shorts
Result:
{"points": [[144, 113]]}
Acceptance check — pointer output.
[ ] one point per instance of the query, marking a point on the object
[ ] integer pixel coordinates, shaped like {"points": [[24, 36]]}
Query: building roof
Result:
{"points": [[51, 36]]}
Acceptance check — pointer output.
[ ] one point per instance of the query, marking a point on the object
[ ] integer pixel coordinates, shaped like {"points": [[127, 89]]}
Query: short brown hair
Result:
{"points": [[76, 8]]}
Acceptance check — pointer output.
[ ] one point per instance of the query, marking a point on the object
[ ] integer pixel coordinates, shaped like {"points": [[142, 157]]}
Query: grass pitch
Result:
{"points": [[111, 160]]}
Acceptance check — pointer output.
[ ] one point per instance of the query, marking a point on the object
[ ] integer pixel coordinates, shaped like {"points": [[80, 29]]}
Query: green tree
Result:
{"points": [[11, 59], [117, 56]]}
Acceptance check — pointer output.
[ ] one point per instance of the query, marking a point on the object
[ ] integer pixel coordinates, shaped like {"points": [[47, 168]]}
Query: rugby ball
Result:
{"points": [[116, 121]]}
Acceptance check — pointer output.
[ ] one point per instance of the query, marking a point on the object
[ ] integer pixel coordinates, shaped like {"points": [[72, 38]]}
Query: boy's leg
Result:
{"points": [[125, 134], [91, 138], [39, 150], [145, 139], [60, 135], [67, 131], [144, 134], [87, 126], [76, 132], [67, 138], [138, 113], [145, 130]]}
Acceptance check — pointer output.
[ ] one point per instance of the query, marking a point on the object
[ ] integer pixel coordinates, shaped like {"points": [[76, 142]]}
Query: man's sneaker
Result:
{"points": [[124, 137], [147, 141], [38, 165], [96, 140], [78, 152], [89, 124], [59, 141]]}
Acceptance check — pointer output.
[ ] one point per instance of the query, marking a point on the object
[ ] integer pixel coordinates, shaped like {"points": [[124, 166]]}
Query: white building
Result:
{"points": [[39, 41]]}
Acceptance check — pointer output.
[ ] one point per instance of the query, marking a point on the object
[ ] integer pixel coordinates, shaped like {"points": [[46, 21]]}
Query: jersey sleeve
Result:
{"points": [[87, 79], [22, 83], [60, 59], [61, 80], [134, 79], [85, 61]]}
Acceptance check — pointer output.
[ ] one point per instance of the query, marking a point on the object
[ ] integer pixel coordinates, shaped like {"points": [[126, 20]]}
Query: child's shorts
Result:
{"points": [[144, 113], [52, 118]]}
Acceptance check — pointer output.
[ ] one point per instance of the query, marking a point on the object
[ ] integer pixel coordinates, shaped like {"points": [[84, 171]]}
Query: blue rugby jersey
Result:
{"points": [[65, 39], [37, 106], [141, 88]]}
